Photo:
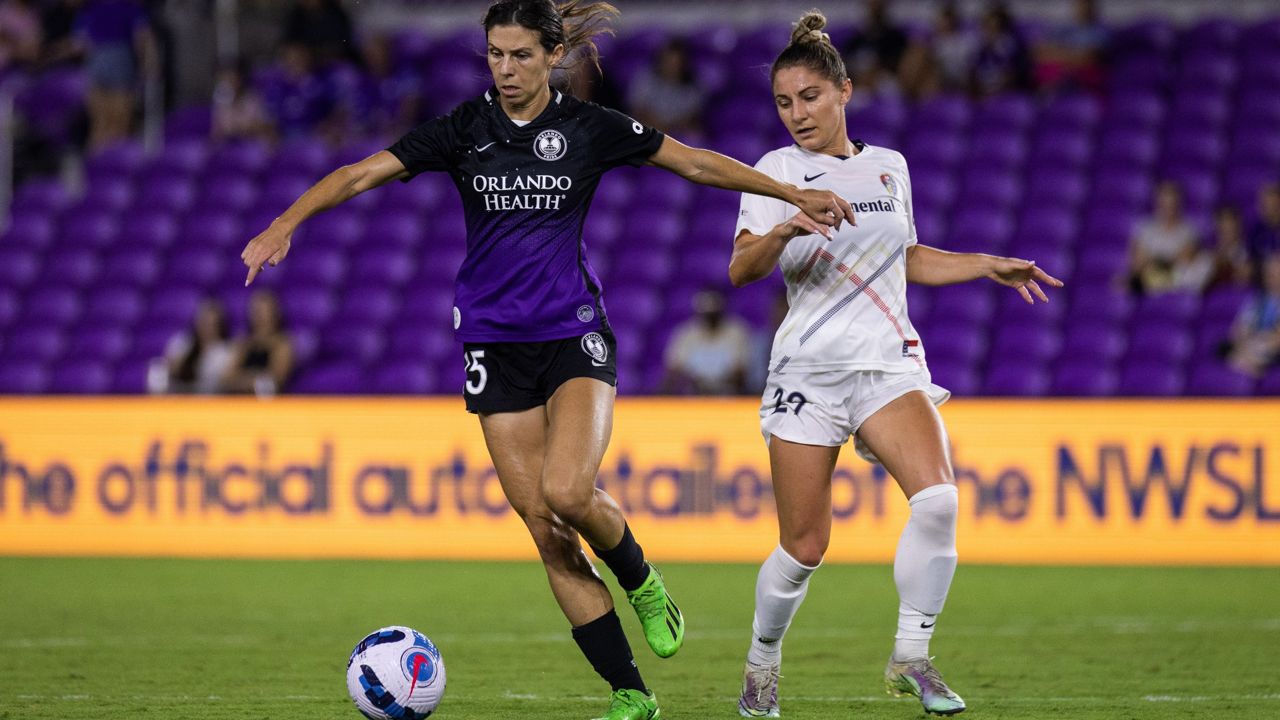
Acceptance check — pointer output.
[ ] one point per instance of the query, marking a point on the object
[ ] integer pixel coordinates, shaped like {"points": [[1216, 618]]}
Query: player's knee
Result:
{"points": [[808, 549], [568, 501]]}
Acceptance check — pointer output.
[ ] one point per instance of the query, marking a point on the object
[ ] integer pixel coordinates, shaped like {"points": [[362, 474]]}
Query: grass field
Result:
{"points": [[245, 639]]}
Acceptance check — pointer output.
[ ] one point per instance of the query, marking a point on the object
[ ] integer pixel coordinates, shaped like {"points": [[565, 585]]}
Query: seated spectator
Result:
{"points": [[386, 101], [940, 63], [1227, 263], [324, 28], [1162, 245], [57, 21], [876, 51], [1003, 62], [1072, 55], [708, 353], [262, 360], [1255, 336], [19, 34], [238, 108], [665, 95], [1264, 236], [300, 99], [196, 359], [115, 37]]}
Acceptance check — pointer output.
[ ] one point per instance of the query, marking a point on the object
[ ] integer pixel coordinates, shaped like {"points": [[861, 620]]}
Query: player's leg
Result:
{"points": [[908, 437], [580, 413], [517, 444], [802, 489]]}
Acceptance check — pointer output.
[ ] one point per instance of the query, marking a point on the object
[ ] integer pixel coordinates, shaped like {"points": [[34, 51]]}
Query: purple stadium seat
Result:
{"points": [[42, 196], [302, 158], [1151, 378], [33, 341], [1270, 383], [1216, 379], [1026, 342], [1135, 109], [1141, 73], [1196, 108], [402, 378], [1255, 143], [1209, 72], [1159, 341], [1099, 263], [188, 123], [182, 157], [1221, 306], [156, 228], [346, 342], [241, 158], [31, 229], [939, 148], [633, 305], [1100, 301], [1085, 379], [339, 228], [1007, 113], [450, 374], [422, 195], [990, 186], [338, 378], [172, 304], [52, 305], [1048, 225], [659, 188], [428, 302], [1055, 189], [1091, 341], [390, 267], [997, 149], [1017, 378], [308, 306], [121, 159], [1172, 307], [220, 231], [943, 112], [228, 191], [961, 380], [955, 343], [130, 376], [1130, 146], [968, 302], [165, 194], [109, 194], [1060, 147], [114, 304], [98, 342], [653, 228], [281, 190], [139, 266], [646, 266], [201, 266], [402, 229], [421, 340], [707, 230], [9, 307], [977, 227], [18, 266], [90, 228], [323, 266], [23, 377], [373, 304]]}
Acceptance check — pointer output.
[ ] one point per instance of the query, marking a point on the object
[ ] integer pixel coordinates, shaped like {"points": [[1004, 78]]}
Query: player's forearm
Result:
{"points": [[334, 189], [755, 256], [712, 168], [931, 266]]}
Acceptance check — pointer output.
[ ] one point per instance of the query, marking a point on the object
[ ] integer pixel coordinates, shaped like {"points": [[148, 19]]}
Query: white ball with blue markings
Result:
{"points": [[396, 673]]}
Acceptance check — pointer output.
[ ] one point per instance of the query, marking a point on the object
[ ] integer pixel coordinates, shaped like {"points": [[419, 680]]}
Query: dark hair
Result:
{"points": [[186, 371], [812, 48], [573, 24]]}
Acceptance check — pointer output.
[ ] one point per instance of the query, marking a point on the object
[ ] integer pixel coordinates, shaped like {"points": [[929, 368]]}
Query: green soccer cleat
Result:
{"points": [[629, 704], [921, 679], [661, 619]]}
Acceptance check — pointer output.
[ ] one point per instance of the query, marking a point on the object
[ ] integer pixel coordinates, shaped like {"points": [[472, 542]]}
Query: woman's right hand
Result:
{"points": [[826, 208], [269, 247]]}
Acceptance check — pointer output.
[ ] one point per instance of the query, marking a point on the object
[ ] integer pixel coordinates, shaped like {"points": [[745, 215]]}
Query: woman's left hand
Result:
{"points": [[1024, 276]]}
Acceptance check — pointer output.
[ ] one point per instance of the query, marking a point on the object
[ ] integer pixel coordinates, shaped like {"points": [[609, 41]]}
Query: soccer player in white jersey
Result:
{"points": [[847, 362]]}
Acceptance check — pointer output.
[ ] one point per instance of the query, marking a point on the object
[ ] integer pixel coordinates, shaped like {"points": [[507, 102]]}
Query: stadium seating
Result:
{"points": [[91, 286]]}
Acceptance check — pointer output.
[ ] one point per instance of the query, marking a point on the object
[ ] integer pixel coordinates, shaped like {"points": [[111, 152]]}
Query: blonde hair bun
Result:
{"points": [[809, 29]]}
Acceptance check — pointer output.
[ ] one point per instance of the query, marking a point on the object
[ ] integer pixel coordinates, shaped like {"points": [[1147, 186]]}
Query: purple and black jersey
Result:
{"points": [[526, 191]]}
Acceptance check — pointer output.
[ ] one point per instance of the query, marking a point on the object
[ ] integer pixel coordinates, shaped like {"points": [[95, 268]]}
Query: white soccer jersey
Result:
{"points": [[848, 295]]}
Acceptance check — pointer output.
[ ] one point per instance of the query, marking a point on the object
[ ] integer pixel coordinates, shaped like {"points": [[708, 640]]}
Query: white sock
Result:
{"points": [[780, 588], [923, 568]]}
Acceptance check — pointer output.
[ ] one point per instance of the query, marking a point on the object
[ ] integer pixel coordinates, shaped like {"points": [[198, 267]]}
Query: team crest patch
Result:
{"points": [[586, 313], [550, 145], [889, 184], [594, 345]]}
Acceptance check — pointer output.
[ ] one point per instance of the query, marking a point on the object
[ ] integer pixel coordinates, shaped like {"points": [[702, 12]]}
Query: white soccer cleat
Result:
{"points": [[759, 691], [921, 679]]}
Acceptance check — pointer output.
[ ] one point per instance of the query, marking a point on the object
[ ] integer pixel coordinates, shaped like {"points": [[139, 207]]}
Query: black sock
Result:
{"points": [[606, 648], [626, 561]]}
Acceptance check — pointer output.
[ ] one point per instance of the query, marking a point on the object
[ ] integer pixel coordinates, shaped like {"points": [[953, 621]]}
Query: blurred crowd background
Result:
{"points": [[1132, 151]]}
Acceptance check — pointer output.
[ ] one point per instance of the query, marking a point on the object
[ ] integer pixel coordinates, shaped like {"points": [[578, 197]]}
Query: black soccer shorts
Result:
{"points": [[514, 376]]}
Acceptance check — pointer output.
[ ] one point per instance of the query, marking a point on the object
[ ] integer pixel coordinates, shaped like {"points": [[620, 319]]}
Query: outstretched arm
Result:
{"points": [[339, 186], [711, 168], [755, 256], [931, 266]]}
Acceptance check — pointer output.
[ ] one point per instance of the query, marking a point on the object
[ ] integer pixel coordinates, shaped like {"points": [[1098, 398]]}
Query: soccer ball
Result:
{"points": [[396, 673]]}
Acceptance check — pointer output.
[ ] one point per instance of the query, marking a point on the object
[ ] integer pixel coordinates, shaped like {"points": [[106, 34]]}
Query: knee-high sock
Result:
{"points": [[780, 588], [923, 568]]}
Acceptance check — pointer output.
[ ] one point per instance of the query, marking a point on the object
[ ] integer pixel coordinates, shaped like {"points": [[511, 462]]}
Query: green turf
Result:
{"points": [[215, 639]]}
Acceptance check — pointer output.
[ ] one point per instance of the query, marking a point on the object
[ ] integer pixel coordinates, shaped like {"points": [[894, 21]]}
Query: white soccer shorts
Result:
{"points": [[826, 408]]}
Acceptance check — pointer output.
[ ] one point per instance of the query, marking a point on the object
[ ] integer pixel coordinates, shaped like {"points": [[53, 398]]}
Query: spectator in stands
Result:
{"points": [[708, 353], [1072, 55], [665, 95], [197, 359], [115, 37], [875, 55], [238, 108], [1162, 245], [1264, 236], [324, 28], [1227, 263], [1255, 337], [1003, 62], [57, 19], [943, 61], [19, 34], [387, 101], [262, 360], [300, 99]]}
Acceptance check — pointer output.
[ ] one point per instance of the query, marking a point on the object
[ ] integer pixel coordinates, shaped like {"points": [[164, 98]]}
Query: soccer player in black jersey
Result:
{"points": [[528, 309]]}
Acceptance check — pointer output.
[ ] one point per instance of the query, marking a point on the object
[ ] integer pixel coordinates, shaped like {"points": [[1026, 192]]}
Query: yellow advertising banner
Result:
{"points": [[1054, 481]]}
